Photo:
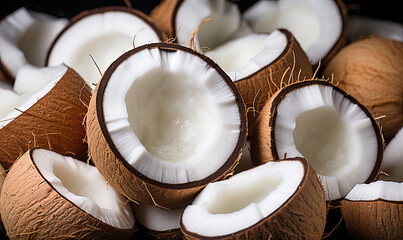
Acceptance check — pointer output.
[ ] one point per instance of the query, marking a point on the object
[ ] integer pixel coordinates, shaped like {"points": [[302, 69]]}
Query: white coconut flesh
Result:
{"points": [[316, 24], [241, 201], [171, 116], [84, 186], [92, 43], [25, 38], [384, 190], [157, 219], [393, 158], [331, 132], [31, 84]]}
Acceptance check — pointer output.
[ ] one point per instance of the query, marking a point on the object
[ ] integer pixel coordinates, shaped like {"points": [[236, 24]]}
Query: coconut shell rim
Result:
{"points": [[232, 159]]}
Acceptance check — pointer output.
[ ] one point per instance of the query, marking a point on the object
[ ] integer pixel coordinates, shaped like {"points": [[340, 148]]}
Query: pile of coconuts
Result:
{"points": [[200, 120]]}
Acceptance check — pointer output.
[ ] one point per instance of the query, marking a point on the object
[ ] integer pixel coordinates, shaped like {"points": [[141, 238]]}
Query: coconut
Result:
{"points": [[257, 63], [47, 196], [168, 120], [370, 70], [277, 200], [25, 37], [332, 130], [45, 108], [392, 165], [95, 38], [374, 211], [319, 26]]}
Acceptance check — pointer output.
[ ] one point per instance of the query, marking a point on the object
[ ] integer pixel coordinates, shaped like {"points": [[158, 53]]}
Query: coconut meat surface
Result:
{"points": [[171, 116], [31, 84], [385, 190], [91, 44], [393, 158], [241, 201], [25, 38], [84, 186], [244, 56], [156, 218], [335, 135], [316, 24]]}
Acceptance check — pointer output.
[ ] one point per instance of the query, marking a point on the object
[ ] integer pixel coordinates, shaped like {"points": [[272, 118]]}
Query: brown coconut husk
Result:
{"points": [[54, 122]]}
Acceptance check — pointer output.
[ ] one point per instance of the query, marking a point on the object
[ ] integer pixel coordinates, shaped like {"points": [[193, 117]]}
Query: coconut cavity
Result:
{"points": [[332, 132], [83, 185], [175, 120]]}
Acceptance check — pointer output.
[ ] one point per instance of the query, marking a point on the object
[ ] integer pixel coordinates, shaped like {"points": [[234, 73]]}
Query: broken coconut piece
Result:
{"points": [[374, 210], [45, 109], [258, 63], [319, 26], [393, 159], [169, 120], [332, 130], [47, 195], [277, 200], [157, 223], [25, 38], [95, 38]]}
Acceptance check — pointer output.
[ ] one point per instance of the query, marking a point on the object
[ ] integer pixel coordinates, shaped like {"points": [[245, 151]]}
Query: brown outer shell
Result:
{"points": [[124, 177], [33, 209], [101, 10], [145, 233], [378, 219], [263, 139], [164, 16], [302, 216], [54, 122]]}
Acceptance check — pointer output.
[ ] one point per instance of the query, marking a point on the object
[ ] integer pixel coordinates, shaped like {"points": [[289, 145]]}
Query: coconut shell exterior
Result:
{"points": [[145, 233], [371, 71], [124, 177], [164, 14], [302, 216], [33, 209], [54, 122], [378, 219]]}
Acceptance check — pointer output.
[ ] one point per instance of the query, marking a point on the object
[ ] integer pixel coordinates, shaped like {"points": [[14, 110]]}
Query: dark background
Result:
{"points": [[386, 9]]}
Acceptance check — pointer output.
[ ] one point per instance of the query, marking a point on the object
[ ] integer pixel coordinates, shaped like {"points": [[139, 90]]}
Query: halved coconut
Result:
{"points": [[374, 211], [25, 38], [277, 200], [168, 120], [319, 121], [318, 25], [95, 38], [258, 63], [157, 223], [49, 196], [45, 109], [392, 164]]}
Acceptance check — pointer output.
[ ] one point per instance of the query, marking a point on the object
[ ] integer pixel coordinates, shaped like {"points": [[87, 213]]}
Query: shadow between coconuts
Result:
{"points": [[149, 185]]}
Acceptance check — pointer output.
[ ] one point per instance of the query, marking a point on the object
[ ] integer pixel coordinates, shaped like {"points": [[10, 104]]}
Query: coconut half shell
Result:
{"points": [[32, 208], [51, 119]]}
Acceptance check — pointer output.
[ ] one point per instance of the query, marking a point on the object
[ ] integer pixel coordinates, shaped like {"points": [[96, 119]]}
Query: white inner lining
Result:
{"points": [[84, 186], [386, 190], [231, 205], [334, 134], [171, 116]]}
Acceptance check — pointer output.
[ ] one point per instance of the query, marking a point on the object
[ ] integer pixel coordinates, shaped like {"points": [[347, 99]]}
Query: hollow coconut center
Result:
{"points": [[85, 187], [241, 201], [175, 120], [334, 134]]}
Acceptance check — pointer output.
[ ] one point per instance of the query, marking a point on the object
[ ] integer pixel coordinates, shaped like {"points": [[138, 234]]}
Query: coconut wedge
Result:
{"points": [[95, 38], [168, 120], [258, 63], [49, 196], [331, 129], [374, 211], [45, 108], [25, 38], [277, 200], [319, 26]]}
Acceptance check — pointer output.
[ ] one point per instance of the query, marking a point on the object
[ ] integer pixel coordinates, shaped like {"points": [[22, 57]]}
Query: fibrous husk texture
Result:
{"points": [[54, 122], [378, 219], [303, 216], [371, 71], [32, 209]]}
